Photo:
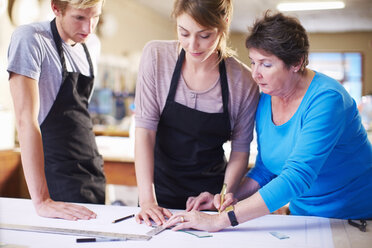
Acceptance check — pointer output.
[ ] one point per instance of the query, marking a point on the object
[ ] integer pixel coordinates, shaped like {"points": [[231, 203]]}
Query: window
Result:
{"points": [[344, 67]]}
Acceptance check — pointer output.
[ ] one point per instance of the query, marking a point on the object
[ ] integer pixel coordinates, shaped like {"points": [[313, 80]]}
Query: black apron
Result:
{"points": [[189, 158], [73, 166]]}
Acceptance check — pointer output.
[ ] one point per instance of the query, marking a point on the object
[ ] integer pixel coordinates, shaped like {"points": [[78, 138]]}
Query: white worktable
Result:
{"points": [[308, 232]]}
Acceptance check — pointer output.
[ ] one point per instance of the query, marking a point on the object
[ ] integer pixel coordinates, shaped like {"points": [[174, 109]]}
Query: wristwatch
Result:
{"points": [[231, 215]]}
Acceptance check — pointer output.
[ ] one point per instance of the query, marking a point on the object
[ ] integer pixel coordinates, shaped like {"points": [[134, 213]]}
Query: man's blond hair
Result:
{"points": [[78, 4]]}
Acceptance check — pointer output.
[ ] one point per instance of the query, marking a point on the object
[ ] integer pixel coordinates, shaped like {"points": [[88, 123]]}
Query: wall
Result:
{"points": [[136, 26], [5, 30], [330, 42]]}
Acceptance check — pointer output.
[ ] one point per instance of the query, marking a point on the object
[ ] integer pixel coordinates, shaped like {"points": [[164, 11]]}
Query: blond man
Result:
{"points": [[51, 74]]}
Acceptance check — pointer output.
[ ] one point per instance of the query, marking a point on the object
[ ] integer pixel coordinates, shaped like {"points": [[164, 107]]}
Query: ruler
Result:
{"points": [[73, 232], [155, 231]]}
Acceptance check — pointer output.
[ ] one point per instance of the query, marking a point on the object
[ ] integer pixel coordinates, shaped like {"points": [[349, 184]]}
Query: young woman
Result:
{"points": [[192, 96]]}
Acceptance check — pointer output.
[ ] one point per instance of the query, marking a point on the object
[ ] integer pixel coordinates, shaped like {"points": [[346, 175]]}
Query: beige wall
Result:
{"points": [[328, 42], [136, 26]]}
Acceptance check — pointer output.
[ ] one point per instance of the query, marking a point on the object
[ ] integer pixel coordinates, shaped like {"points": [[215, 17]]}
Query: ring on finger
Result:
{"points": [[182, 219]]}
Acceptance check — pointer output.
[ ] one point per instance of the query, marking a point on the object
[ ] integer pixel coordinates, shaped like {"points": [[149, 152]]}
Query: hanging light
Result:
{"points": [[301, 6]]}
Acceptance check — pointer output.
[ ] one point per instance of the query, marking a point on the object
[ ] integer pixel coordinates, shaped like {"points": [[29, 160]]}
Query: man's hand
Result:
{"points": [[68, 211]]}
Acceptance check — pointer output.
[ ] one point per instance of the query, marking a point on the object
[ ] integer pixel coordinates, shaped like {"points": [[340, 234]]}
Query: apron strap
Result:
{"points": [[176, 76], [58, 41], [224, 86], [89, 59]]}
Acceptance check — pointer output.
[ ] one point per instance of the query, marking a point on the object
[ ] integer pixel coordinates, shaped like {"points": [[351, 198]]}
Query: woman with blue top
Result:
{"points": [[313, 151]]}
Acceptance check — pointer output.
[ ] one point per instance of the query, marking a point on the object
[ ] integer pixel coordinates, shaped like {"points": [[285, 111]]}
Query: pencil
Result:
{"points": [[223, 193], [87, 240], [124, 218]]}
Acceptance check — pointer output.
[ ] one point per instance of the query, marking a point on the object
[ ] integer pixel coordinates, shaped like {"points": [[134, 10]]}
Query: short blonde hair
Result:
{"points": [[210, 14], [78, 4]]}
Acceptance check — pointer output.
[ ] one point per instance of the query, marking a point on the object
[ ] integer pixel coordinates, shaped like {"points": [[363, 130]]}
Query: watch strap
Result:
{"points": [[232, 218]]}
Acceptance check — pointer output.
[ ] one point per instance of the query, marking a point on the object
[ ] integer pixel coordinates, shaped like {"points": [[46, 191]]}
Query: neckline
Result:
{"points": [[202, 91], [299, 106]]}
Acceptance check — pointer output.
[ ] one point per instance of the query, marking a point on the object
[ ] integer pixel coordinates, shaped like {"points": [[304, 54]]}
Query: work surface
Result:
{"points": [[301, 231]]}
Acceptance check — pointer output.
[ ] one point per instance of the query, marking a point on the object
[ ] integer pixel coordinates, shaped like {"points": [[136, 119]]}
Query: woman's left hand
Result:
{"points": [[197, 220]]}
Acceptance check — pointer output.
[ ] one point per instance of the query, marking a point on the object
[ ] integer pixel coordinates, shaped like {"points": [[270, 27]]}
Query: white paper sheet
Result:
{"points": [[303, 232]]}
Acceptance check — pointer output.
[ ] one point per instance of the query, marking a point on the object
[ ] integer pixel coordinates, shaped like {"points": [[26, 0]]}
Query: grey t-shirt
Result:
{"points": [[33, 53]]}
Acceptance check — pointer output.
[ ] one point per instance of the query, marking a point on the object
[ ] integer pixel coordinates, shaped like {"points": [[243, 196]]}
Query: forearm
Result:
{"points": [[33, 161], [250, 208], [144, 164], [247, 187], [25, 96], [236, 169]]}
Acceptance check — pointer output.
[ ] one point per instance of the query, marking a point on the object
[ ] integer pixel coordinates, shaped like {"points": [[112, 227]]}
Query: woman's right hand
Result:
{"points": [[204, 201], [152, 211], [228, 200]]}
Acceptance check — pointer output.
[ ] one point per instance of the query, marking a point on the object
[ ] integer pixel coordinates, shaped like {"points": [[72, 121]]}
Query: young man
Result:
{"points": [[51, 80]]}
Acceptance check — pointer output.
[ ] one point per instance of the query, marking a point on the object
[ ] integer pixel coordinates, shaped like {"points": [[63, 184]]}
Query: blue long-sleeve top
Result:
{"points": [[320, 160]]}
